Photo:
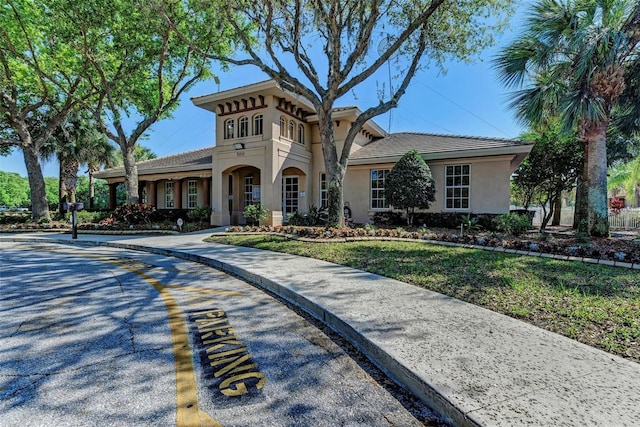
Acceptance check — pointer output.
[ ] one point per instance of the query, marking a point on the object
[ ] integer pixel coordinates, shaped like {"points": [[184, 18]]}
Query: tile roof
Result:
{"points": [[189, 160], [433, 145]]}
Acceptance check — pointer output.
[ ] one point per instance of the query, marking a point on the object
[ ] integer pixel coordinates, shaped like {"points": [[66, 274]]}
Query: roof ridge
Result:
{"points": [[182, 153], [449, 135]]}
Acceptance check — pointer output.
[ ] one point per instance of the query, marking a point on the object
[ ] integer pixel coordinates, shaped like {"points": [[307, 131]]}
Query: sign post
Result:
{"points": [[74, 208]]}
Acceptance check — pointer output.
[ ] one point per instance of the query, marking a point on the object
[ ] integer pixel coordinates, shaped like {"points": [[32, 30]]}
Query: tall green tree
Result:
{"points": [[76, 141], [409, 185], [139, 67], [586, 47], [551, 168], [324, 49], [14, 190], [40, 77]]}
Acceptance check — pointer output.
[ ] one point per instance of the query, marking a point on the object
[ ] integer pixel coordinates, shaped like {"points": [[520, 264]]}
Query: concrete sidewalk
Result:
{"points": [[474, 366]]}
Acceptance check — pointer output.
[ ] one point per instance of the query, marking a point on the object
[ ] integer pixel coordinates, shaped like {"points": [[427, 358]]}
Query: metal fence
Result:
{"points": [[626, 219]]}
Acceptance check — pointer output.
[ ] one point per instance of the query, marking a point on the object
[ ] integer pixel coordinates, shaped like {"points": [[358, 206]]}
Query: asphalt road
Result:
{"points": [[110, 337]]}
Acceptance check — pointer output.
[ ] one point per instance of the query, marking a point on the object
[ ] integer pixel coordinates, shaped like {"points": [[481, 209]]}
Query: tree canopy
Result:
{"points": [[323, 50], [41, 80]]}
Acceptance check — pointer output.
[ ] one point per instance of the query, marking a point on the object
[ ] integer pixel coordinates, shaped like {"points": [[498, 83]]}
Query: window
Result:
{"points": [[283, 126], [378, 200], [228, 129], [248, 190], [301, 134], [292, 126], [257, 124], [456, 187], [168, 194], [324, 191], [289, 195], [192, 194], [243, 127]]}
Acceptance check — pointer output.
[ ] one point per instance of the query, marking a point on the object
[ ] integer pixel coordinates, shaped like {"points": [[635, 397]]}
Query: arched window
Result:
{"points": [[229, 129], [257, 124], [301, 134], [243, 126], [292, 126], [283, 126]]}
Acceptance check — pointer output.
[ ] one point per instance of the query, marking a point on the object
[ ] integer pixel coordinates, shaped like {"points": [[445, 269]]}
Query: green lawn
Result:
{"points": [[597, 305]]}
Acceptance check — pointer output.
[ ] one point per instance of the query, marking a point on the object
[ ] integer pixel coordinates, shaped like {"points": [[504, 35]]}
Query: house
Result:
{"points": [[267, 150]]}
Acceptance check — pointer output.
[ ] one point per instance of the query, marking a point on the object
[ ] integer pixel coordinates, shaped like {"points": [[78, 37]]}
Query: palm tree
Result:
{"points": [[583, 49], [75, 142]]}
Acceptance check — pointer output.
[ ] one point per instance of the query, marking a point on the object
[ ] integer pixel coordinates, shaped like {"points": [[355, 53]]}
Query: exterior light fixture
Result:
{"points": [[238, 146]]}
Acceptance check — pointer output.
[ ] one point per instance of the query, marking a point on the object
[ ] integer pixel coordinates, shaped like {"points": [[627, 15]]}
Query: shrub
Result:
{"points": [[255, 213], [134, 213], [200, 214], [388, 218], [315, 216], [512, 223]]}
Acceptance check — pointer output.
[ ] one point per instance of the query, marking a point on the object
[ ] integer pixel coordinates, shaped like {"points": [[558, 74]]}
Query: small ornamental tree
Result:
{"points": [[410, 185]]}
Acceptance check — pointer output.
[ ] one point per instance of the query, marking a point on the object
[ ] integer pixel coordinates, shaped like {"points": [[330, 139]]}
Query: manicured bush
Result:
{"points": [[200, 214], [134, 213], [390, 218], [255, 213]]}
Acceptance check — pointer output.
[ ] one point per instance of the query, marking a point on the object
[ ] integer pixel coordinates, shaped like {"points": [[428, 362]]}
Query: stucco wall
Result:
{"points": [[489, 191]]}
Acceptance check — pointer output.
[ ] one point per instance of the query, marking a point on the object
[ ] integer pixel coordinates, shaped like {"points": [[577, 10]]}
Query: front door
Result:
{"points": [[289, 196]]}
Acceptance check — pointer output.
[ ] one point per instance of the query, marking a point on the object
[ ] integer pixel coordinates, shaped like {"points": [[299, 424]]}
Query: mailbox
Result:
{"points": [[73, 207]]}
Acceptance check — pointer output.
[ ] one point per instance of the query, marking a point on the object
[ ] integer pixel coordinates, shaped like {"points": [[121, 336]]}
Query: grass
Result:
{"points": [[594, 304]]}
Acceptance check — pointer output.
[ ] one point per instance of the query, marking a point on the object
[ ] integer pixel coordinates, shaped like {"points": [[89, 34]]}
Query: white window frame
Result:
{"points": [[229, 129], [169, 200], [192, 194], [292, 127], [301, 133], [283, 126], [243, 127], [285, 194], [248, 190], [376, 192], [457, 187], [324, 191], [258, 123]]}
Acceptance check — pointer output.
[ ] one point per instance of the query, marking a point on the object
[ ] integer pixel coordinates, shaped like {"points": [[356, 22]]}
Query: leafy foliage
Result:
{"points": [[571, 61], [513, 224], [315, 216], [200, 214], [134, 213], [255, 213], [551, 167], [329, 48], [409, 185]]}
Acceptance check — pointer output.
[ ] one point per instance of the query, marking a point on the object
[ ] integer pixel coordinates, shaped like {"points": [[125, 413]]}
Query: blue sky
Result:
{"points": [[467, 100]]}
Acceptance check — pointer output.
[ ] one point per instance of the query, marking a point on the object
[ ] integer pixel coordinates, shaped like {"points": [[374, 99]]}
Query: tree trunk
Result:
{"points": [[580, 215], [39, 203], [557, 211], [597, 181], [131, 173], [69, 175], [335, 173]]}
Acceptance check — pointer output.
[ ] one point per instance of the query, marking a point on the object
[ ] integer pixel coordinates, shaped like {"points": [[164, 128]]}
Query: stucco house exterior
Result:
{"points": [[267, 150]]}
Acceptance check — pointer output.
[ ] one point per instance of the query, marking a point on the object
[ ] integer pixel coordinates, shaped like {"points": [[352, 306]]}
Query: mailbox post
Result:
{"points": [[74, 208]]}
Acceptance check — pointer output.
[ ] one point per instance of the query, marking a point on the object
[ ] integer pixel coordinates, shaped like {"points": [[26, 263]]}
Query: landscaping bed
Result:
{"points": [[621, 249]]}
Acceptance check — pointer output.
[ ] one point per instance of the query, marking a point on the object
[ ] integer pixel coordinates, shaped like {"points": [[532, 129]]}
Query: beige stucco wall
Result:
{"points": [[489, 191]]}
